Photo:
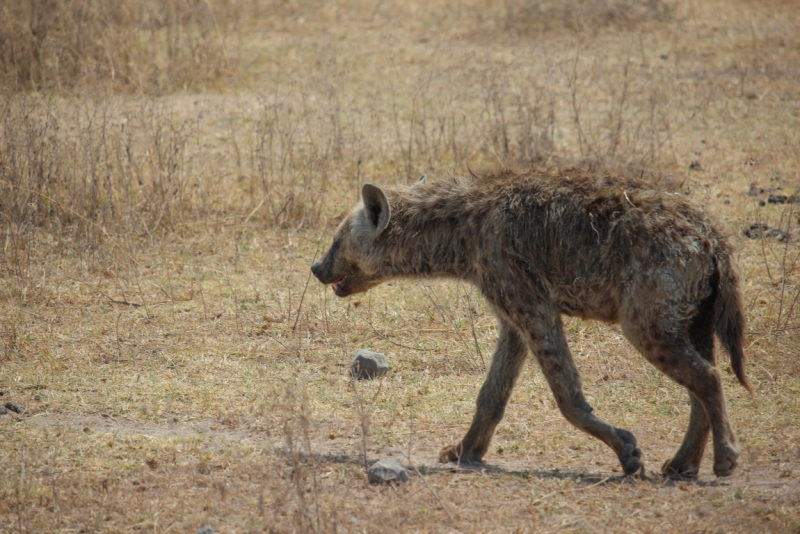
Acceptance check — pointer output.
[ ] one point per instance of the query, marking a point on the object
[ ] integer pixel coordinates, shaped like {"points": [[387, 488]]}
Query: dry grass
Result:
{"points": [[177, 367], [129, 45]]}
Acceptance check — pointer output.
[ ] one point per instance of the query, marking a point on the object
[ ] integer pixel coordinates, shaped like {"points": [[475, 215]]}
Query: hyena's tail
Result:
{"points": [[729, 318]]}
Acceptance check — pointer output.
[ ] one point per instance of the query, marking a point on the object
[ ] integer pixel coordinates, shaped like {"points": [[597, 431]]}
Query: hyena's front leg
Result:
{"points": [[509, 355], [550, 348]]}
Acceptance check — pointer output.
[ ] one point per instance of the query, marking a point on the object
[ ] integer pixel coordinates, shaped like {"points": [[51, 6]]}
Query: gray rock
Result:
{"points": [[206, 530], [368, 364], [13, 407], [386, 472]]}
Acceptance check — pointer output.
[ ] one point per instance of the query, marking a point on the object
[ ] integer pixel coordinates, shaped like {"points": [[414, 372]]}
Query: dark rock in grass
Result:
{"points": [[777, 199], [206, 530], [368, 365], [13, 407], [386, 472], [780, 235], [761, 231], [756, 230], [3, 410]]}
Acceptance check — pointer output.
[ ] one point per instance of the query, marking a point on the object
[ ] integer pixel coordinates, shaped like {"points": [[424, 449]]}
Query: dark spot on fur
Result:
{"points": [[662, 359], [559, 399], [557, 367]]}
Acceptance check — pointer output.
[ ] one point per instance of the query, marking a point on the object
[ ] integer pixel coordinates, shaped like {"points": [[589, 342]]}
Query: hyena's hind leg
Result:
{"points": [[669, 348], [686, 462], [550, 347], [507, 360]]}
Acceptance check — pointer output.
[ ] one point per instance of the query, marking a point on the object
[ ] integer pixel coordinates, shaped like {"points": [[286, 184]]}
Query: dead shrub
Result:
{"points": [[131, 45], [83, 171]]}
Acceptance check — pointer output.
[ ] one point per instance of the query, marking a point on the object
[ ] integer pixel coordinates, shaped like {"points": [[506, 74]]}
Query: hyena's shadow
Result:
{"points": [[579, 478]]}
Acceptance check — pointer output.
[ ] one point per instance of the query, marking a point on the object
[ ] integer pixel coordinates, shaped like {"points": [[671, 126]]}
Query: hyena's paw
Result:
{"points": [[456, 453], [675, 469], [725, 463], [630, 456]]}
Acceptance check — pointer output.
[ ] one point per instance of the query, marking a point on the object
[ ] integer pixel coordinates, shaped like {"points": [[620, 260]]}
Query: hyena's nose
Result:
{"points": [[315, 267]]}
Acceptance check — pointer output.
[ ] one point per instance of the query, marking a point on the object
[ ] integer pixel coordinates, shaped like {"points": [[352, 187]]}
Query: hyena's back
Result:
{"points": [[584, 244]]}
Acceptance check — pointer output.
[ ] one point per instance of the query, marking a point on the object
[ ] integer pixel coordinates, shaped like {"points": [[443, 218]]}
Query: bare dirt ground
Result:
{"points": [[173, 362], [215, 435]]}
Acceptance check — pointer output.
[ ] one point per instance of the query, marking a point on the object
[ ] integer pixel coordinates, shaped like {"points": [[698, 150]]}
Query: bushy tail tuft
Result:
{"points": [[729, 318]]}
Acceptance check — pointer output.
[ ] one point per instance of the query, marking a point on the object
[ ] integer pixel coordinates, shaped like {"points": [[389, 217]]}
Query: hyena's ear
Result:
{"points": [[376, 205]]}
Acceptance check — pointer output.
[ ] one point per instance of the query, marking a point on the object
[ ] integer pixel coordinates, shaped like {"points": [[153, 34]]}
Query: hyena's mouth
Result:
{"points": [[337, 284]]}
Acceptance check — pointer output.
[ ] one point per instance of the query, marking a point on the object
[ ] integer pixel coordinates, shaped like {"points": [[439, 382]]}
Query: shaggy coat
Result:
{"points": [[542, 244]]}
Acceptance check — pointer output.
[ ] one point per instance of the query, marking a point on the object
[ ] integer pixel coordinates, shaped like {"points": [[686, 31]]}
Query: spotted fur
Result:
{"points": [[542, 244]]}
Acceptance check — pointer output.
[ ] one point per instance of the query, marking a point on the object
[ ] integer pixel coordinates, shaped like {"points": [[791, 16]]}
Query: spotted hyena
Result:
{"points": [[542, 244]]}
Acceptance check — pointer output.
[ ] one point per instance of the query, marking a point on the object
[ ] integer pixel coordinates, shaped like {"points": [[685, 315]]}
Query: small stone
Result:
{"points": [[206, 530], [761, 231], [368, 365], [13, 407], [386, 472], [780, 235], [777, 199], [756, 230], [3, 410]]}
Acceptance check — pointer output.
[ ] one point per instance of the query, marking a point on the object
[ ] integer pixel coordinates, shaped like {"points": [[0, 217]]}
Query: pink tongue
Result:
{"points": [[336, 284]]}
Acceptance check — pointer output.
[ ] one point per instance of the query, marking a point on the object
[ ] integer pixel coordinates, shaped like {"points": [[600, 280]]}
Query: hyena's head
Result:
{"points": [[349, 265]]}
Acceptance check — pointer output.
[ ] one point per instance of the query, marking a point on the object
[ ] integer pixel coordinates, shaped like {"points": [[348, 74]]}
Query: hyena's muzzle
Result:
{"points": [[322, 269]]}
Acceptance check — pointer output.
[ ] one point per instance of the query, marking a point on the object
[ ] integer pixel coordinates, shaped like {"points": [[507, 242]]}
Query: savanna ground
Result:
{"points": [[169, 170]]}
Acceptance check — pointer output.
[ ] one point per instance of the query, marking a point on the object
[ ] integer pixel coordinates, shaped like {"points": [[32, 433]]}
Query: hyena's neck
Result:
{"points": [[430, 237]]}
